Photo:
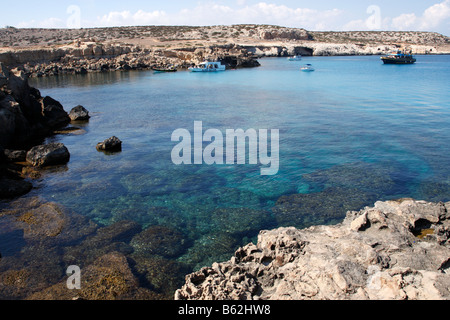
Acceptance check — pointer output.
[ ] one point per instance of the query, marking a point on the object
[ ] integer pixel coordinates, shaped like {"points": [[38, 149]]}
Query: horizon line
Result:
{"points": [[218, 25]]}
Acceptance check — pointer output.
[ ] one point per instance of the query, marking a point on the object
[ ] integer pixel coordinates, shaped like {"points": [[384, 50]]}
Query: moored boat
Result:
{"points": [[307, 68], [208, 66], [165, 69], [399, 57], [295, 58]]}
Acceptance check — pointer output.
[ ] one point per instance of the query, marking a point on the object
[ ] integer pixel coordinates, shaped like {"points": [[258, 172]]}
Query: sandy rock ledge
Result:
{"points": [[395, 250]]}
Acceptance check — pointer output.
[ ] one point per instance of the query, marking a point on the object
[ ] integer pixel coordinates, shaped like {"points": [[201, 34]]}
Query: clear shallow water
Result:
{"points": [[353, 132]]}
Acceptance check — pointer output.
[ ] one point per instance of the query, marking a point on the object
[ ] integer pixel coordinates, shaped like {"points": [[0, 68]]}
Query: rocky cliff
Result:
{"points": [[24, 114], [25, 118], [395, 250], [86, 57]]}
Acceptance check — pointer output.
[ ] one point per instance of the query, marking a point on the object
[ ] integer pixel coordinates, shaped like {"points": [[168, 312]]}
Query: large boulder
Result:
{"points": [[110, 144], [79, 113], [24, 113], [50, 154], [54, 114]]}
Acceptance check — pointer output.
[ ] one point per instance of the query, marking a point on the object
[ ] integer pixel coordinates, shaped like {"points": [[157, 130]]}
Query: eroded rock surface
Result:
{"points": [[394, 250], [49, 154], [110, 144], [79, 113]]}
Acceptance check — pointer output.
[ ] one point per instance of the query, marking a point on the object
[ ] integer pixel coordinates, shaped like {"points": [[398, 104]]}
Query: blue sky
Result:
{"points": [[424, 15]]}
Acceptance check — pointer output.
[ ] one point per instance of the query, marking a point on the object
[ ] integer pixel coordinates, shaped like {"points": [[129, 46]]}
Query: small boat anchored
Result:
{"points": [[169, 68], [208, 66], [399, 57], [295, 58], [307, 68]]}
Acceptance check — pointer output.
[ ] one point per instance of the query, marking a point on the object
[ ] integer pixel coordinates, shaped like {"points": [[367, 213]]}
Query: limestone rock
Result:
{"points": [[394, 250], [110, 144], [50, 154], [24, 113], [79, 113], [54, 113]]}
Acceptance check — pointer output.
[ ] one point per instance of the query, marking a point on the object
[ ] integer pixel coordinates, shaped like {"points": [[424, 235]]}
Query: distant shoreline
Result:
{"points": [[47, 52]]}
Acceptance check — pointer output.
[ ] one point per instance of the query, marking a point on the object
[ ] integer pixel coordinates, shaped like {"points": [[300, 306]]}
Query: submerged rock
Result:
{"points": [[395, 250], [11, 188], [435, 191], [107, 278], [79, 113], [209, 248], [42, 220], [50, 154], [325, 207], [239, 221], [110, 144], [373, 179], [161, 275], [113, 238], [159, 240]]}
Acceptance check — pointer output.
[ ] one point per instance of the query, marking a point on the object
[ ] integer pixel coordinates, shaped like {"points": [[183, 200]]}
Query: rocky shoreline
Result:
{"points": [[47, 52], [93, 57], [26, 119], [395, 250]]}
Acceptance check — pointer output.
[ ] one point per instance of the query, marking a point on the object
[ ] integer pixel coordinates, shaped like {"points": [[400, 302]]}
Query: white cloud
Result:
{"points": [[354, 25], [406, 21], [215, 14], [432, 18], [123, 18], [435, 15], [47, 23]]}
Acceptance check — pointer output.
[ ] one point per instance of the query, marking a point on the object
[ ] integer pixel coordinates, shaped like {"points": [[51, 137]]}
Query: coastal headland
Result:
{"points": [[44, 52]]}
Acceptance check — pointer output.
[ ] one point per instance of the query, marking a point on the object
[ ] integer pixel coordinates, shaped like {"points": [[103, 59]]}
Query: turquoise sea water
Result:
{"points": [[353, 132]]}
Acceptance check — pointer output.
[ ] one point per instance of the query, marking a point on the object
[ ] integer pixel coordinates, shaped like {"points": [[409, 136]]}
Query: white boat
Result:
{"points": [[208, 66], [295, 58], [307, 68]]}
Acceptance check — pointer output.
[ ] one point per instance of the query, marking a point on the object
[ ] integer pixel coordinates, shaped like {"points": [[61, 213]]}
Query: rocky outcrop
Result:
{"points": [[25, 117], [271, 33], [394, 250], [82, 58], [79, 113], [110, 144], [24, 113], [47, 155]]}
